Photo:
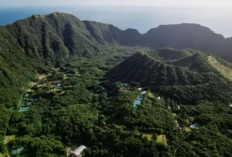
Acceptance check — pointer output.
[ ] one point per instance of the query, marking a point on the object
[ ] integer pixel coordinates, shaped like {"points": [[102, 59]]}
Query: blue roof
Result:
{"points": [[17, 151], [36, 99], [195, 126], [126, 84], [24, 109]]}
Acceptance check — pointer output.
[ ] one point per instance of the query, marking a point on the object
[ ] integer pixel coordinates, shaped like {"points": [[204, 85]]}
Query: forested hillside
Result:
{"points": [[188, 77], [192, 36], [180, 36], [66, 83]]}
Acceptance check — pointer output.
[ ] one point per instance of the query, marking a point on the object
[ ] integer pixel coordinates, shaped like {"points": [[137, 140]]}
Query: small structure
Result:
{"points": [[159, 98], [178, 107], [230, 105], [17, 151], [140, 88], [78, 152], [139, 99], [24, 109], [99, 82], [29, 103], [36, 99], [177, 124], [27, 95], [58, 85], [144, 92], [126, 84], [195, 126]]}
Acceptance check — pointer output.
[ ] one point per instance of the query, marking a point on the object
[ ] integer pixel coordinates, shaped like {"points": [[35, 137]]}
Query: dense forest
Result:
{"points": [[66, 83]]}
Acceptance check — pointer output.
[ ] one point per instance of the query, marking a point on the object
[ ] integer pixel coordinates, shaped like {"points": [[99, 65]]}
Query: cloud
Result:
{"points": [[126, 3]]}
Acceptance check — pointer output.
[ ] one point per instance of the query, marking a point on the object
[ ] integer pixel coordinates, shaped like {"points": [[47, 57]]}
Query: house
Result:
{"points": [[126, 84], [140, 88], [17, 151], [195, 126], [58, 85], [144, 92], [78, 152]]}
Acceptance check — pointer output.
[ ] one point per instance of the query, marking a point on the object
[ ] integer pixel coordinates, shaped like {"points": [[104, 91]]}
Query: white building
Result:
{"points": [[77, 152], [144, 92]]}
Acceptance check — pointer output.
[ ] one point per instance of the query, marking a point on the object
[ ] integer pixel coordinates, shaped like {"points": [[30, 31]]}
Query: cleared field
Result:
{"points": [[225, 71], [148, 136], [162, 139], [187, 129], [150, 95]]}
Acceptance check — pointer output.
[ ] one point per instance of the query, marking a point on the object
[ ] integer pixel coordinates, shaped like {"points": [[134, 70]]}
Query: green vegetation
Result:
{"points": [[79, 87], [224, 70], [187, 80], [172, 54], [162, 139]]}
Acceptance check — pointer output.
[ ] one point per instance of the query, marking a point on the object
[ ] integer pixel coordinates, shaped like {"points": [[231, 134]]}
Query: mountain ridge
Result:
{"points": [[72, 34], [179, 36], [66, 83], [54, 39]]}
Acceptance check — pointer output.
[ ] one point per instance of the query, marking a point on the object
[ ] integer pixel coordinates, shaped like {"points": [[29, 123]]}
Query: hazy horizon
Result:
{"points": [[137, 14]]}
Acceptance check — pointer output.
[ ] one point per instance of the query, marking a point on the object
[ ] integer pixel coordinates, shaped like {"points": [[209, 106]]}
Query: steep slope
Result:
{"points": [[147, 70], [16, 69], [188, 36], [57, 37], [61, 35], [221, 68], [191, 36], [28, 45], [196, 62], [69, 108], [188, 79], [109, 34], [54, 37]]}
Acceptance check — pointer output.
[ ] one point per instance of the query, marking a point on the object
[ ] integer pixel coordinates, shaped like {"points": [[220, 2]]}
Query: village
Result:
{"points": [[54, 83]]}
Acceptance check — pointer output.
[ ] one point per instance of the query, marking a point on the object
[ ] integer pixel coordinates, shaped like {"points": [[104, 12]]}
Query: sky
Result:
{"points": [[154, 3], [138, 14]]}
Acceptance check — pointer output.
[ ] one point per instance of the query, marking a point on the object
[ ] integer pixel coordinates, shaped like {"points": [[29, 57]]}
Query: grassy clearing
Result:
{"points": [[2, 155], [148, 136], [187, 129], [174, 116], [3, 141], [11, 137], [150, 95], [225, 71], [65, 76], [162, 139]]}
